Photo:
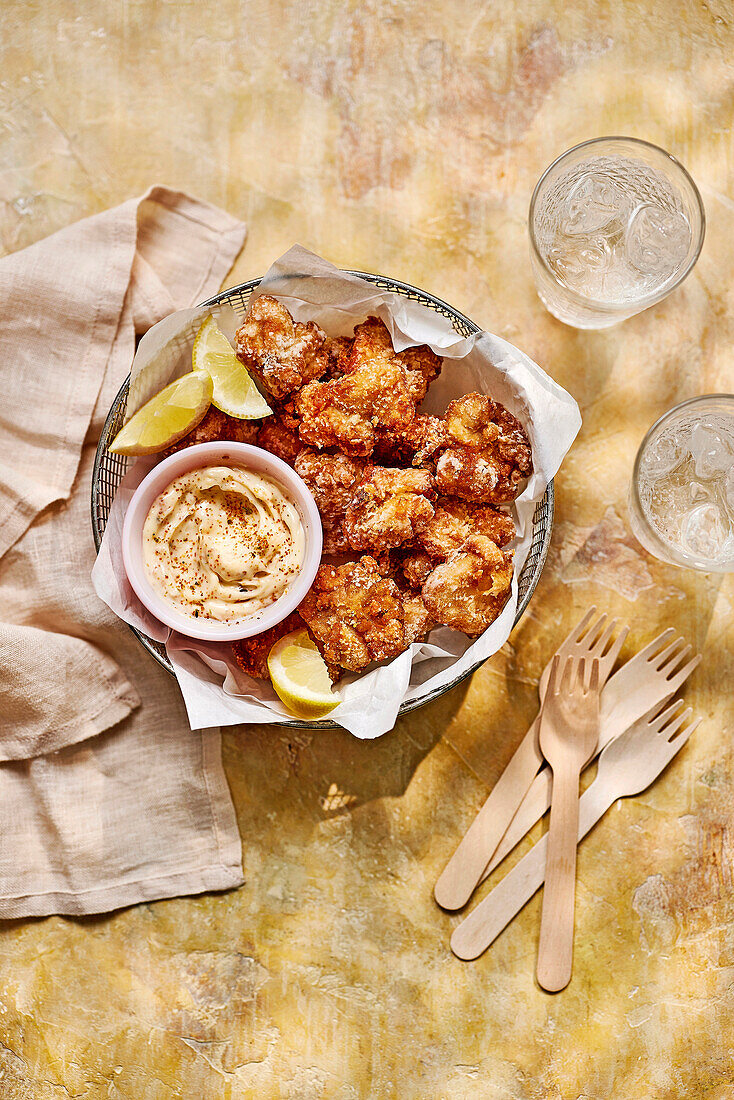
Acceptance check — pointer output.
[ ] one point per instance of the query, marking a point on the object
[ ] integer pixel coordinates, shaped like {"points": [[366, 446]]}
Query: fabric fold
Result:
{"points": [[108, 796], [102, 825]]}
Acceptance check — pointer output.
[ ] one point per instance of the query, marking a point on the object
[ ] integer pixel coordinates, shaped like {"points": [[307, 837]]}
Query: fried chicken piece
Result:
{"points": [[279, 435], [415, 566], [373, 346], [418, 619], [331, 479], [413, 445], [217, 425], [388, 508], [355, 614], [281, 353], [372, 343], [251, 654], [338, 349], [455, 520], [347, 412], [471, 587], [488, 453], [334, 540], [422, 366]]}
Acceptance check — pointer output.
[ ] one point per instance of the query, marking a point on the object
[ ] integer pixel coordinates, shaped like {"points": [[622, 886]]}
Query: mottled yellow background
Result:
{"points": [[406, 138]]}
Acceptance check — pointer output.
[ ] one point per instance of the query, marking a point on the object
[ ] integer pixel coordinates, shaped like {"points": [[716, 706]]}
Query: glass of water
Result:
{"points": [[615, 224], [682, 492]]}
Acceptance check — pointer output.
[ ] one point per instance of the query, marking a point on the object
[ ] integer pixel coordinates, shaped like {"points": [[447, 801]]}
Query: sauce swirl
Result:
{"points": [[222, 542]]}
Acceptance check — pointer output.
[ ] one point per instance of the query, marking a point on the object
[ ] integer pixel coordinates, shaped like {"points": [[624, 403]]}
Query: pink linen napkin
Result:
{"points": [[141, 809]]}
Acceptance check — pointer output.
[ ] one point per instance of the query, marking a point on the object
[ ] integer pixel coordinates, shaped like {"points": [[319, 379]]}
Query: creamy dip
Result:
{"points": [[222, 543]]}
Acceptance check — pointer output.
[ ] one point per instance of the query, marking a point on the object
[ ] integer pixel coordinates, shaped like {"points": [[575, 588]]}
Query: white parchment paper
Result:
{"points": [[215, 690]]}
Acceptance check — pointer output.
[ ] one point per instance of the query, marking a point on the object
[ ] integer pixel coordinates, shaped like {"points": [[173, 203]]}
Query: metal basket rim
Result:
{"points": [[548, 499]]}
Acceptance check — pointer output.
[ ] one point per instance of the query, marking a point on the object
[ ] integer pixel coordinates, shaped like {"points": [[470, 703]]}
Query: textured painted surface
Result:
{"points": [[406, 138]]}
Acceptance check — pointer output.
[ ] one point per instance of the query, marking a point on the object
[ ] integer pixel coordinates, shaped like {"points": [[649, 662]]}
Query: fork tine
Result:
{"points": [[591, 639], [594, 680], [613, 651], [681, 737], [682, 674], [567, 675], [664, 657], [652, 648], [676, 661], [659, 714], [581, 626], [675, 723], [603, 640], [554, 680]]}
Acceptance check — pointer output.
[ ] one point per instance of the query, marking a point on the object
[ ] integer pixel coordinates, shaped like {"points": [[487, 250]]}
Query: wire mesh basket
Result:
{"points": [[109, 469]]}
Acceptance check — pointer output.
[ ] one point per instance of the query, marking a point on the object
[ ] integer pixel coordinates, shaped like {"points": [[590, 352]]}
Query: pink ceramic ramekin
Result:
{"points": [[220, 454]]}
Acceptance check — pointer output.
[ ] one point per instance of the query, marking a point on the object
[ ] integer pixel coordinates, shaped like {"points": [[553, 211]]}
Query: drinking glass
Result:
{"points": [[681, 498], [615, 224]]}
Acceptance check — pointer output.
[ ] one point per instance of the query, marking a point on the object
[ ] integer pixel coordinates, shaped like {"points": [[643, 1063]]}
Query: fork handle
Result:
{"points": [[464, 870], [538, 797], [494, 913], [555, 950]]}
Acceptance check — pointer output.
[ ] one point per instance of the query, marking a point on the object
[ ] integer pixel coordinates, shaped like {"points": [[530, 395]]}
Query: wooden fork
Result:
{"points": [[646, 680], [569, 731], [627, 765], [590, 638]]}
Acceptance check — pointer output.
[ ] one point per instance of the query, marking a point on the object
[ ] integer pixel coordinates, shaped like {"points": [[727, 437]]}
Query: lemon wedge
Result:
{"points": [[300, 676], [234, 391], [167, 417]]}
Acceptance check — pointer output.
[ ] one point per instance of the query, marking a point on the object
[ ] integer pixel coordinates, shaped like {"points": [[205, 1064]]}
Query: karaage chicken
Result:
{"points": [[415, 566], [281, 353], [279, 435], [338, 350], [331, 479], [488, 455], [455, 520], [355, 614], [373, 346], [349, 412], [388, 508], [418, 619], [471, 587]]}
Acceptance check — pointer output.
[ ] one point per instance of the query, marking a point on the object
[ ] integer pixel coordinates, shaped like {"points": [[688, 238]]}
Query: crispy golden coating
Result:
{"points": [[217, 425], [373, 346], [422, 366], [415, 566], [281, 353], [346, 413], [251, 654], [488, 455], [338, 351], [413, 445], [334, 539], [279, 435], [455, 520], [331, 479], [355, 614], [388, 508], [418, 620], [471, 587]]}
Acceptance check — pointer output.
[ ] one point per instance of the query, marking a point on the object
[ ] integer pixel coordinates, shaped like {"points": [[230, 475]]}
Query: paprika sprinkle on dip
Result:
{"points": [[222, 543]]}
